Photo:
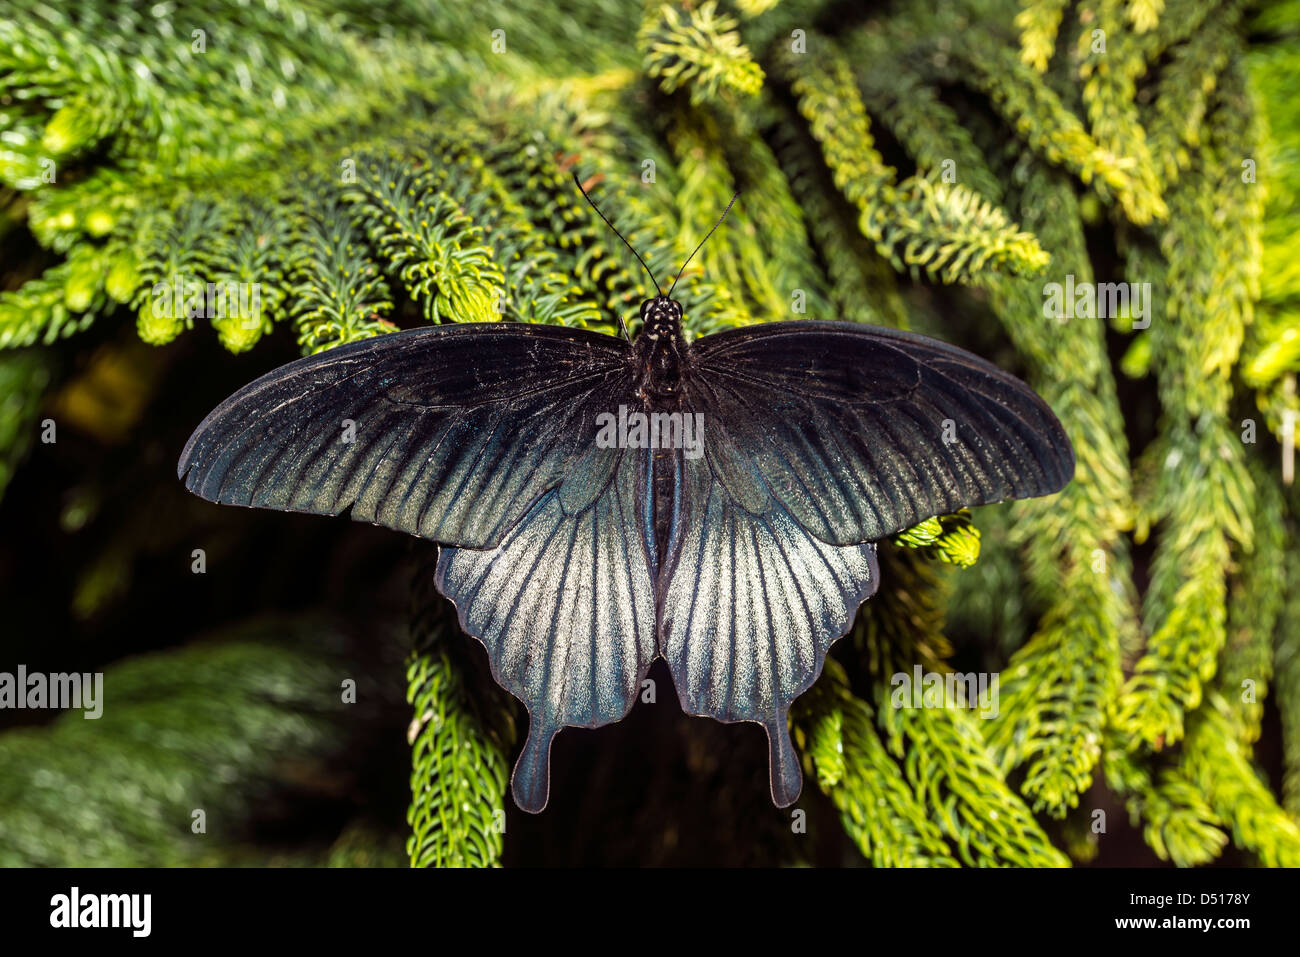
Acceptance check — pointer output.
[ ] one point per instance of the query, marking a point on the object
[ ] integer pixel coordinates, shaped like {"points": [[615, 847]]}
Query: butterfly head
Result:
{"points": [[661, 318]]}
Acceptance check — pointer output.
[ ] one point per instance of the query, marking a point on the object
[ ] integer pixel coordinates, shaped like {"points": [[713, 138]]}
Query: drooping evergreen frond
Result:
{"points": [[698, 49], [878, 806], [460, 736], [949, 232], [1204, 490]]}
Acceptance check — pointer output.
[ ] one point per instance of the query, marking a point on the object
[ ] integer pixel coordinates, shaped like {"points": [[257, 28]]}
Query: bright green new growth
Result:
{"points": [[928, 165]]}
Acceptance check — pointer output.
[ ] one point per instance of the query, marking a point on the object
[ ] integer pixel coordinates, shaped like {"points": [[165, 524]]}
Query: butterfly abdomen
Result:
{"points": [[666, 483]]}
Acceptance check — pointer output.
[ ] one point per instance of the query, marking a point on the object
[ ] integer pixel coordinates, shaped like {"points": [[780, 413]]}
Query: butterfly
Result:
{"points": [[602, 501]]}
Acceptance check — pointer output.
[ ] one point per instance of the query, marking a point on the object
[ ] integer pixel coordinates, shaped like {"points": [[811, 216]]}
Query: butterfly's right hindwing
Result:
{"points": [[818, 439], [750, 604]]}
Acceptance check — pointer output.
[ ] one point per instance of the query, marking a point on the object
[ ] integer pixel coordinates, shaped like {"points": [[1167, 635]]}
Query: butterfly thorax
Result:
{"points": [[659, 352]]}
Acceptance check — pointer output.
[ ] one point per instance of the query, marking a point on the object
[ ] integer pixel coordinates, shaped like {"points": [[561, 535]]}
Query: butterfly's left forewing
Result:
{"points": [[448, 432]]}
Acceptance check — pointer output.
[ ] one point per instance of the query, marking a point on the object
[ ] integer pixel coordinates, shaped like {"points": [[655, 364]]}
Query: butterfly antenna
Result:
{"points": [[577, 182], [702, 242]]}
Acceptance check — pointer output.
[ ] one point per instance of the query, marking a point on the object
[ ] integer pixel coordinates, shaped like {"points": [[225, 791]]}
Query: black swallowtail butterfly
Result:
{"points": [[739, 548]]}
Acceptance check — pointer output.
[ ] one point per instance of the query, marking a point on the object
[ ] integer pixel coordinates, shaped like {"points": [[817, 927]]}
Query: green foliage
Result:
{"points": [[950, 538], [951, 233], [229, 727], [697, 50], [945, 759], [24, 377], [1287, 680], [339, 293], [930, 166], [1203, 489], [1271, 352], [433, 247], [877, 805], [460, 736], [61, 302]]}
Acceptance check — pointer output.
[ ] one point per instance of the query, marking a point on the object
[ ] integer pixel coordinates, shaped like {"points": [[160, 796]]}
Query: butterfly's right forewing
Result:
{"points": [[860, 432]]}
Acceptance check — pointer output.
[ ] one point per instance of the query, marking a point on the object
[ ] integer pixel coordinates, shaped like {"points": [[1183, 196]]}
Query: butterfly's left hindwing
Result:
{"points": [[564, 606]]}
